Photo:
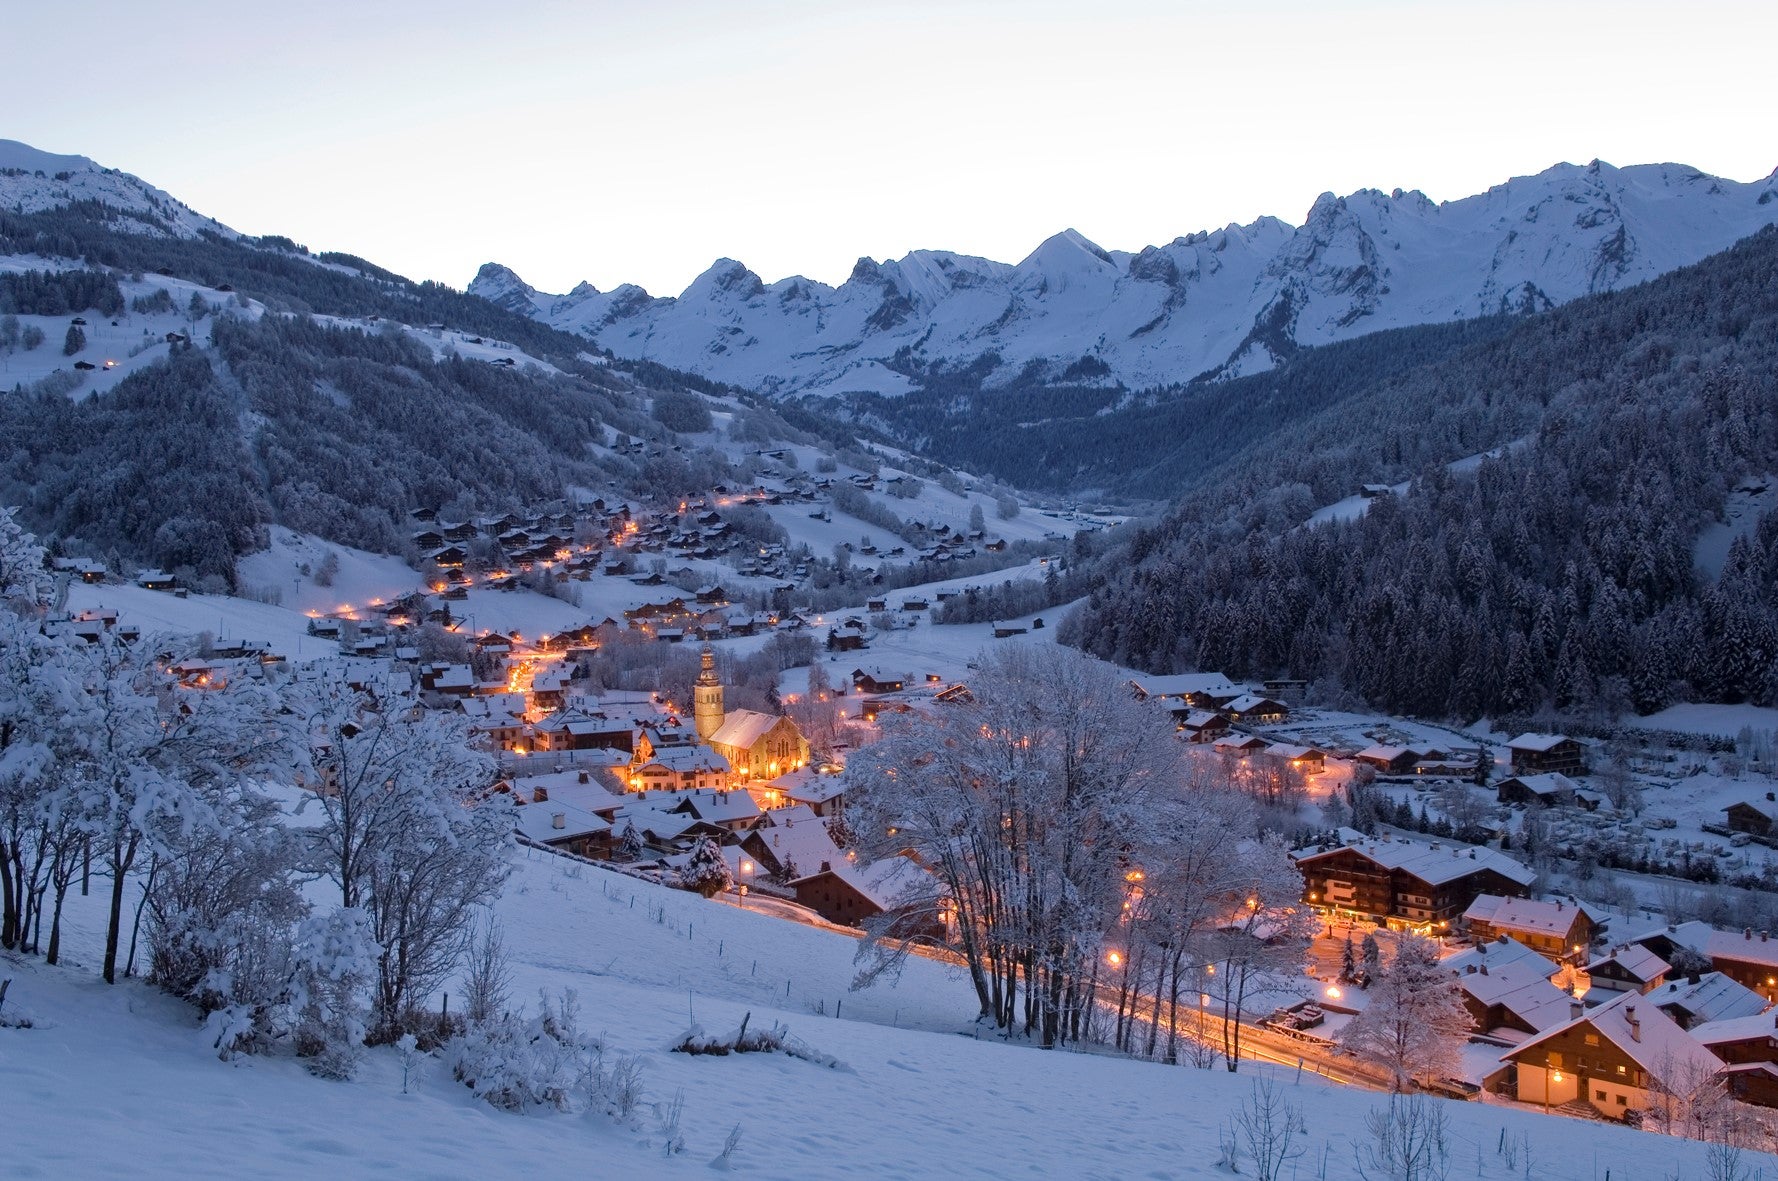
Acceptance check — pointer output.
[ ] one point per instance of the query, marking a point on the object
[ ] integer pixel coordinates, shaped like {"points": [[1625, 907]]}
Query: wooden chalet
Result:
{"points": [[1536, 753], [1551, 789], [1407, 884], [1629, 967], [1612, 1058], [1561, 931], [1759, 817]]}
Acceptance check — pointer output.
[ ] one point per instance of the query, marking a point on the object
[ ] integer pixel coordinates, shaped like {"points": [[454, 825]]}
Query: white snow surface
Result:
{"points": [[32, 181], [911, 1099], [1223, 300]]}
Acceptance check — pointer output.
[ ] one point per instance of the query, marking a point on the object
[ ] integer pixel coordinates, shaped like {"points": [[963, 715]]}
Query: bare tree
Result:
{"points": [[1410, 1141], [1272, 1128]]}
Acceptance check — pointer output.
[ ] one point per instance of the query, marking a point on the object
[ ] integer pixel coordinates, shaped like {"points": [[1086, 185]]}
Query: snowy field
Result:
{"points": [[912, 1099]]}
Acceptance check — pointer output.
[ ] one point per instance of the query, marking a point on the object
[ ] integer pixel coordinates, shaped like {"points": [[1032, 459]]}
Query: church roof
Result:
{"points": [[741, 728]]}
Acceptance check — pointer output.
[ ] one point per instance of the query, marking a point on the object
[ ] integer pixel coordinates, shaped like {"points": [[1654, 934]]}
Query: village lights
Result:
{"points": [[1114, 958], [1334, 993]]}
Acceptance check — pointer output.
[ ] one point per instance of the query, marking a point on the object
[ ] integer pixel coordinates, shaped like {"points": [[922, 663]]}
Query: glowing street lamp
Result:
{"points": [[746, 872]]}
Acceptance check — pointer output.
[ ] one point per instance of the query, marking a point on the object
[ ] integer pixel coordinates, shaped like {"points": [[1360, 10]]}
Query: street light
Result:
{"points": [[746, 872]]}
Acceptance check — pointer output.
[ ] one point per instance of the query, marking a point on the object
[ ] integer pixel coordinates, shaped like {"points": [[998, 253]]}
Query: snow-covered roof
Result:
{"points": [[1183, 684], [1648, 1036], [888, 882], [1635, 959], [1505, 972], [1737, 1029], [805, 844], [1248, 702], [718, 807], [1715, 944], [538, 821], [1538, 742], [1524, 914], [1713, 997], [1549, 783], [688, 759], [1765, 808], [1435, 863], [1286, 750], [741, 728]]}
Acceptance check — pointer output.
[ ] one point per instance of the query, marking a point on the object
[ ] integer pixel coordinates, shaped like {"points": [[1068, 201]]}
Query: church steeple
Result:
{"points": [[707, 708]]}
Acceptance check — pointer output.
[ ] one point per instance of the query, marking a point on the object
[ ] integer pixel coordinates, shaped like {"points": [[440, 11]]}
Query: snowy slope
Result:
{"points": [[1231, 300], [915, 1101], [32, 181]]}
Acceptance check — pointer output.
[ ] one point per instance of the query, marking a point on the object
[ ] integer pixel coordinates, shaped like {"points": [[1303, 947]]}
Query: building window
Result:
{"points": [[1592, 1039], [1599, 1095], [1623, 1101]]}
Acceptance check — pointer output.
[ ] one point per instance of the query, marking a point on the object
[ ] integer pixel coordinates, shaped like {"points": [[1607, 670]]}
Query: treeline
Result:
{"points": [[1151, 444], [59, 293], [1561, 574]]}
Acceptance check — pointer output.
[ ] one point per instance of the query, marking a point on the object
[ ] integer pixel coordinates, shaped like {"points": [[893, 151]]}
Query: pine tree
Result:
{"points": [[707, 872], [1348, 962], [74, 341]]}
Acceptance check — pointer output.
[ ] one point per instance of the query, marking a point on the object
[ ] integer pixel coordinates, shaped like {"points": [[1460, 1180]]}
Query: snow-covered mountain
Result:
{"points": [[32, 181], [1228, 301]]}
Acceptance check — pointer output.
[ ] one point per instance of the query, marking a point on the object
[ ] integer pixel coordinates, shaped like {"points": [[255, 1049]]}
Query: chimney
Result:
{"points": [[1772, 795], [1469, 969], [1575, 1009], [584, 777], [1484, 969], [827, 867], [1558, 906], [558, 820], [1635, 1024]]}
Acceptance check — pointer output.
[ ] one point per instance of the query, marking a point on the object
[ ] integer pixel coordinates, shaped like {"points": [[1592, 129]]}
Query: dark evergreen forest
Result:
{"points": [[1560, 573]]}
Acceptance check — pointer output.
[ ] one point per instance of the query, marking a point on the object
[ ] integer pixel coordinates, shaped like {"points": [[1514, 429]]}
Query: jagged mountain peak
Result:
{"points": [[1226, 301]]}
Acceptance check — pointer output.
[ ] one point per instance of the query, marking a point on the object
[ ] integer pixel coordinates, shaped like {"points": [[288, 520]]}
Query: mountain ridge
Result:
{"points": [[1222, 303]]}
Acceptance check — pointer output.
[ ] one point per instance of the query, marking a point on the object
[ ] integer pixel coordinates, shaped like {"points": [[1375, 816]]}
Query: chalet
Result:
{"points": [[1285, 688], [847, 893], [712, 595], [1613, 1058], [875, 680], [1557, 930], [1203, 690], [1759, 817], [429, 539], [916, 605], [1744, 956], [578, 730], [155, 580], [876, 604], [1306, 759], [1548, 790], [1005, 631], [564, 826], [1407, 884], [845, 639], [1201, 725], [1240, 745], [1630, 967], [1536, 753], [680, 768], [1749, 1046], [789, 839], [1387, 760], [84, 365], [1709, 996], [1506, 987], [1250, 707], [731, 810]]}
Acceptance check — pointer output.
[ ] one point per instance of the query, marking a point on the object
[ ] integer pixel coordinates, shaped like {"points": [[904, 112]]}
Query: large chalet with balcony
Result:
{"points": [[1407, 884]]}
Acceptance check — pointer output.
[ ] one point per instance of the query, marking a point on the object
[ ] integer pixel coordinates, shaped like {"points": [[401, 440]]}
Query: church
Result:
{"points": [[758, 746]]}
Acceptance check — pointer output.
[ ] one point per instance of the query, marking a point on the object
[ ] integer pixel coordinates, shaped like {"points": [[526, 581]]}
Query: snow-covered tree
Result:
{"points": [[408, 833], [336, 960], [1414, 1023], [24, 578], [706, 871], [1024, 804]]}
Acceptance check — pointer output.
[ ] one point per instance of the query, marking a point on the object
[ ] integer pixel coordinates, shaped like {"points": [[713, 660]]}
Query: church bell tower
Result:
{"points": [[707, 708]]}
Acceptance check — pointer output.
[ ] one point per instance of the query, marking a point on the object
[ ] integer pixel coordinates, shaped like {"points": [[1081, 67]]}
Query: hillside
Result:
{"points": [[1224, 302], [910, 1098], [1561, 569]]}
